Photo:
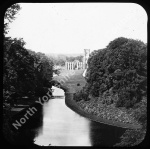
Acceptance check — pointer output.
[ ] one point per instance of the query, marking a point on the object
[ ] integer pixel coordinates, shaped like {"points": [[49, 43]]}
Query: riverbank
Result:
{"points": [[75, 107], [107, 115]]}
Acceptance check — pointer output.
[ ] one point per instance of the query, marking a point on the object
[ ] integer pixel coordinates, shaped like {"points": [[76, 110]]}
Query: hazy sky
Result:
{"points": [[73, 27]]}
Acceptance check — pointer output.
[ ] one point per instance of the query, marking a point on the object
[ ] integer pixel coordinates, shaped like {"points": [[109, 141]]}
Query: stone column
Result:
{"points": [[69, 65], [66, 65], [73, 66]]}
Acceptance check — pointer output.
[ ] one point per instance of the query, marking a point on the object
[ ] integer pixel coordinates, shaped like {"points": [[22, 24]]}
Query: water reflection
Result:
{"points": [[57, 125], [104, 135], [28, 131], [62, 126], [57, 91]]}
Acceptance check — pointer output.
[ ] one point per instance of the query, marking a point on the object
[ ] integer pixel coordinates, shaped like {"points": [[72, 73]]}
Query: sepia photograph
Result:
{"points": [[75, 74]]}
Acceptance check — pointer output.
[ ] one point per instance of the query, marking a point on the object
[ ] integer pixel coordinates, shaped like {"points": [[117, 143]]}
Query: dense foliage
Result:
{"points": [[120, 69], [58, 60], [25, 73], [71, 58], [81, 95], [135, 137]]}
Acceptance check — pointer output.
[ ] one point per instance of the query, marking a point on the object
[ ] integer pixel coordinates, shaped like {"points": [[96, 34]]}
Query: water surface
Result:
{"points": [[62, 126], [55, 124]]}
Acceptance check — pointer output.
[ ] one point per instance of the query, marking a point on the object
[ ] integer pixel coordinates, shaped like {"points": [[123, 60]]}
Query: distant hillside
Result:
{"points": [[63, 55]]}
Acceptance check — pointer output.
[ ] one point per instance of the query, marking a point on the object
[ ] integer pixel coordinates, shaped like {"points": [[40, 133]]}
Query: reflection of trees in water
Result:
{"points": [[104, 135], [29, 130]]}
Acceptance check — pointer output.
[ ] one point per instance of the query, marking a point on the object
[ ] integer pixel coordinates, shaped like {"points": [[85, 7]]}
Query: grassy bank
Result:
{"points": [[107, 112], [72, 79], [92, 116]]}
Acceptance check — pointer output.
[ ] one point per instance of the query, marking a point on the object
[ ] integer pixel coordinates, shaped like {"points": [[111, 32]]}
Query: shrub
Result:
{"points": [[81, 95]]}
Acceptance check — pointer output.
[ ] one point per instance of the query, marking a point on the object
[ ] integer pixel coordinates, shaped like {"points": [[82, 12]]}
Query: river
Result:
{"points": [[63, 127], [57, 125]]}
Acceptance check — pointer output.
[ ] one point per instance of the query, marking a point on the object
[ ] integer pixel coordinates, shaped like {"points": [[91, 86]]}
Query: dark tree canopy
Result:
{"points": [[119, 69], [26, 73]]}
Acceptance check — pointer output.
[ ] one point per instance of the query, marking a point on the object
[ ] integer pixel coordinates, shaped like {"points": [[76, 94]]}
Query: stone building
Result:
{"points": [[79, 65]]}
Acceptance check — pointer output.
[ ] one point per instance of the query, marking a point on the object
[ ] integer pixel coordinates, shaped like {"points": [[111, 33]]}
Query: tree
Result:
{"points": [[10, 16], [71, 58], [24, 70], [121, 68]]}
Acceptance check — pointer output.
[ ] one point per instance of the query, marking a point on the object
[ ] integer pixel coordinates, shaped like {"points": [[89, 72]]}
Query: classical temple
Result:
{"points": [[77, 64]]}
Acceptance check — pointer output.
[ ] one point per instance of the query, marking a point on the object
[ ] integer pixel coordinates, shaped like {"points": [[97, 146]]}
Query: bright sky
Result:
{"points": [[72, 27]]}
